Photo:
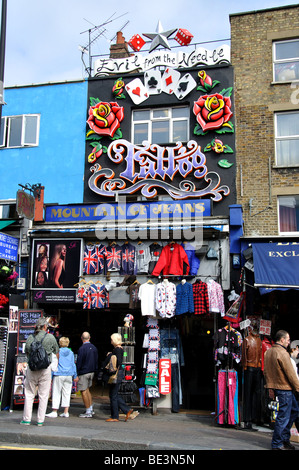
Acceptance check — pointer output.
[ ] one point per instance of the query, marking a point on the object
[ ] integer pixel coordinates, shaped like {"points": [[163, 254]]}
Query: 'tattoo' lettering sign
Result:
{"points": [[164, 376]]}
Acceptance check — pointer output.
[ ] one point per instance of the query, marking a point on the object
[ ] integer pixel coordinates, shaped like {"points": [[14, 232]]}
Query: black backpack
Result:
{"points": [[38, 358]]}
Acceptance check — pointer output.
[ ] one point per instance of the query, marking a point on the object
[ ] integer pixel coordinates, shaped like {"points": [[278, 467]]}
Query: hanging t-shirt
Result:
{"points": [[113, 258], [155, 252], [142, 258], [166, 299], [128, 260], [147, 296]]}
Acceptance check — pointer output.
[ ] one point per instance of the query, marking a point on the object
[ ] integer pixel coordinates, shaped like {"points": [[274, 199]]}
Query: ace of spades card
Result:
{"points": [[153, 82], [170, 80], [185, 85], [137, 91]]}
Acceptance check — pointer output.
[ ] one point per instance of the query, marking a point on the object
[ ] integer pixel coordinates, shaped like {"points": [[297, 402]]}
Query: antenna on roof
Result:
{"points": [[94, 34]]}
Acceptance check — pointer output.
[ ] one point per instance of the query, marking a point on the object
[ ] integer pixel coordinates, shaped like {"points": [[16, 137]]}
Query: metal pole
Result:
{"points": [[2, 53]]}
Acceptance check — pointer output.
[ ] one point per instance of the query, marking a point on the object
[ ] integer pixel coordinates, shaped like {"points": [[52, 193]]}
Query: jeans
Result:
{"points": [[286, 416], [116, 401]]}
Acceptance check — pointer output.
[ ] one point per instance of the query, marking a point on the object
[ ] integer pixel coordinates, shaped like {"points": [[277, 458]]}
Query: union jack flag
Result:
{"points": [[100, 251], [100, 297], [89, 261], [113, 258], [87, 299]]}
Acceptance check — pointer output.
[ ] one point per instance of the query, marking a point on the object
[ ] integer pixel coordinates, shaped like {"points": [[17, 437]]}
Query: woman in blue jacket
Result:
{"points": [[63, 380]]}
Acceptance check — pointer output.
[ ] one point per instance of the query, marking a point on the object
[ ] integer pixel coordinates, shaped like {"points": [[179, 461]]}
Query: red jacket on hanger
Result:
{"points": [[172, 260]]}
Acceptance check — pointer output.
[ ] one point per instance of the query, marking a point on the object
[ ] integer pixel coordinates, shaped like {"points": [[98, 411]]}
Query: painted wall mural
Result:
{"points": [[181, 170]]}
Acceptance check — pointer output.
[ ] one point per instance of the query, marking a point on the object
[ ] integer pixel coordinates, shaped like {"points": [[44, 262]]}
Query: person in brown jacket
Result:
{"points": [[283, 383]]}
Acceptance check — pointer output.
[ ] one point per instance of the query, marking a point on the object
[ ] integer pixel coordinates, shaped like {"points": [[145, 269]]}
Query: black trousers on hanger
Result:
{"points": [[252, 394]]}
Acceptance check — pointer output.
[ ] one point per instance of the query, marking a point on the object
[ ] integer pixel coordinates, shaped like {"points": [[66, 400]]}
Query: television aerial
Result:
{"points": [[94, 33]]}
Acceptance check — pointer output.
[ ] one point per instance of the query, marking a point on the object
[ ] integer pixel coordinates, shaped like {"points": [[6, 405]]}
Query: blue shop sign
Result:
{"points": [[135, 210], [8, 247]]}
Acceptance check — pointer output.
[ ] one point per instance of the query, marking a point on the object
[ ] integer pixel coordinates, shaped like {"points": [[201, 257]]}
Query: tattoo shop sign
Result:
{"points": [[199, 56]]}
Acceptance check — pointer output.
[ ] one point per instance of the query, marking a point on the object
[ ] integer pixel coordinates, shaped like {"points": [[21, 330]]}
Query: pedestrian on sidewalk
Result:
{"points": [[87, 366], [63, 379], [282, 382], [116, 401], [39, 380]]}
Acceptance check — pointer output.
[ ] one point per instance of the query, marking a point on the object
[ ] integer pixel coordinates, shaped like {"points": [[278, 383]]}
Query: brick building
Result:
{"points": [[265, 57]]}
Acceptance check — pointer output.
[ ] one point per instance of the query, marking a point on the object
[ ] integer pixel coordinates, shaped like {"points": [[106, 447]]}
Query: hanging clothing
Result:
{"points": [[142, 258], [166, 299], [155, 252], [99, 297], [173, 260], [147, 296], [194, 261], [184, 299], [267, 343], [227, 397], [128, 261], [227, 346], [90, 261], [100, 251], [133, 290], [200, 297], [113, 258], [216, 298]]}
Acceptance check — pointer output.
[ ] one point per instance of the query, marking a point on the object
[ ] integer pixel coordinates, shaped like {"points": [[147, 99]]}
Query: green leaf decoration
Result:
{"points": [[215, 82], [94, 101], [207, 148], [226, 91], [118, 134], [198, 130], [227, 149], [227, 128], [224, 163], [93, 136]]}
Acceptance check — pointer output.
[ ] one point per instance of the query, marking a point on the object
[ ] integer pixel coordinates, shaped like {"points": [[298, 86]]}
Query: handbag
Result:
{"points": [[151, 379], [112, 369]]}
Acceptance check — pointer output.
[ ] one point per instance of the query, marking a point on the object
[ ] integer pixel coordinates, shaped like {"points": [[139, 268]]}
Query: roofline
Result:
{"points": [[253, 12], [62, 82]]}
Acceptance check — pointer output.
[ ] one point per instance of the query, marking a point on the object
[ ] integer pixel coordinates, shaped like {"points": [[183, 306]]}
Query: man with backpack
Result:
{"points": [[39, 348]]}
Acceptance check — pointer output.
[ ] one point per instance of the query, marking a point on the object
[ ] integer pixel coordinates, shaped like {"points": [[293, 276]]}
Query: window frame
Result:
{"points": [[152, 120], [280, 232], [283, 61], [284, 139], [24, 142]]}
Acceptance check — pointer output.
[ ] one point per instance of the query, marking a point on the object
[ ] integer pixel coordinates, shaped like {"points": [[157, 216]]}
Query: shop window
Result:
{"points": [[288, 214], [287, 138], [161, 126], [286, 60], [19, 131]]}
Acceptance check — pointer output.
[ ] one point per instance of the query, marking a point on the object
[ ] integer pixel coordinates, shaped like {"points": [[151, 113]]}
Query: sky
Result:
{"points": [[43, 38]]}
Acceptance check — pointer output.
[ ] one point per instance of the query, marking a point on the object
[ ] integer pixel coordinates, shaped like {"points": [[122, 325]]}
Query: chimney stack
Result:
{"points": [[120, 49]]}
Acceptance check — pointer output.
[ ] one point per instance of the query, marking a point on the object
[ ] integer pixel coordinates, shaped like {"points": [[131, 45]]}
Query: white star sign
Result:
{"points": [[159, 37]]}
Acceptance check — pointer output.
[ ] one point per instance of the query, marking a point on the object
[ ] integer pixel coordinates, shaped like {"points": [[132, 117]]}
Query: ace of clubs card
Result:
{"points": [[153, 82]]}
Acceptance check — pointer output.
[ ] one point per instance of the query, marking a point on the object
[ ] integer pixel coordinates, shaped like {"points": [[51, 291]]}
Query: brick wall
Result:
{"points": [[256, 99]]}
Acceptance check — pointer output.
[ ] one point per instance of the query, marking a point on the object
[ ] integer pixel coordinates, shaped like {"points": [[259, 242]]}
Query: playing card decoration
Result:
{"points": [[153, 82], [104, 121], [136, 42], [137, 91], [185, 85], [183, 37], [170, 79]]}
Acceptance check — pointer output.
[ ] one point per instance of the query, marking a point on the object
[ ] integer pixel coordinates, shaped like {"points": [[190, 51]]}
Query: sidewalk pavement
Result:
{"points": [[165, 431]]}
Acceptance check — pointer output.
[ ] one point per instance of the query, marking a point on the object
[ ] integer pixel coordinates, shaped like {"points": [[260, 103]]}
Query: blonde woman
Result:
{"points": [[63, 379], [116, 401], [57, 268]]}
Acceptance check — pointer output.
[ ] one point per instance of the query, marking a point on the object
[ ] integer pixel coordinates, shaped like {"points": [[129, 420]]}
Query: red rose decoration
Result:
{"points": [[212, 111], [105, 118]]}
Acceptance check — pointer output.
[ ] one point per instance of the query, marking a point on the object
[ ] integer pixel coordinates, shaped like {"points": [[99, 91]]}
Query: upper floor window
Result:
{"points": [[161, 126], [19, 131], [286, 60], [288, 211], [287, 138]]}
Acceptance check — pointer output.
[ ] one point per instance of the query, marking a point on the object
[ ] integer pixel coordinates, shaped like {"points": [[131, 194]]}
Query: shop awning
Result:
{"points": [[5, 223], [276, 265]]}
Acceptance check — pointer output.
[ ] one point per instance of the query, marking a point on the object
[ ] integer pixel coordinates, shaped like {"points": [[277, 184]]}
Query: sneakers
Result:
{"points": [[64, 415], [85, 415], [26, 423], [53, 414]]}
